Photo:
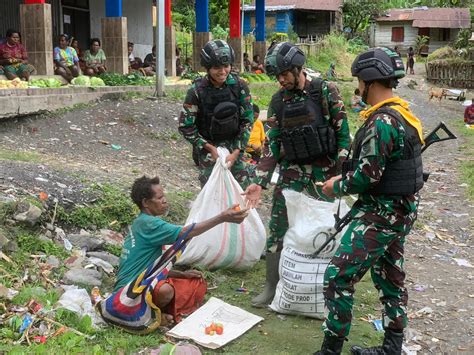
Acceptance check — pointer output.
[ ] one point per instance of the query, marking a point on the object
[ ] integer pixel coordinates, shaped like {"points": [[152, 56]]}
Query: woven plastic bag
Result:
{"points": [[228, 245], [311, 222]]}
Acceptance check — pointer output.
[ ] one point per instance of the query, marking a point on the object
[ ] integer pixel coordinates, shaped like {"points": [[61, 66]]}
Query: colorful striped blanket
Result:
{"points": [[132, 307]]}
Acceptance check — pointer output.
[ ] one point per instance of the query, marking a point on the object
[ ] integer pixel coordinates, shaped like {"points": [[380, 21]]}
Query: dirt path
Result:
{"points": [[118, 141], [441, 292]]}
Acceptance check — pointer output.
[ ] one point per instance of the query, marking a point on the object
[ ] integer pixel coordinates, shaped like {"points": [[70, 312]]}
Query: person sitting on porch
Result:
{"points": [[94, 59], [247, 63], [181, 292], [256, 66], [149, 65], [13, 57], [65, 59]]}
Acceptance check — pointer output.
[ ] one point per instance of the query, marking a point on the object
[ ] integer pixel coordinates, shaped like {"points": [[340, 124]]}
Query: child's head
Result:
{"points": [[148, 195], [256, 111], [357, 92]]}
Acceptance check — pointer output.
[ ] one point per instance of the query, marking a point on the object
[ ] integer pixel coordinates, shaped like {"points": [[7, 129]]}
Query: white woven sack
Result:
{"points": [[228, 245], [311, 222]]}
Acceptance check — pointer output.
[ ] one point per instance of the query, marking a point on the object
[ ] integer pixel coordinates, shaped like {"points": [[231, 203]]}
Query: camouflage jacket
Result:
{"points": [[334, 113], [383, 141], [190, 113]]}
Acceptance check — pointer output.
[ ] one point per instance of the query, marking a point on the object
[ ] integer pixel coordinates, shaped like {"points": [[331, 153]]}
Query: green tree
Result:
{"points": [[357, 13]]}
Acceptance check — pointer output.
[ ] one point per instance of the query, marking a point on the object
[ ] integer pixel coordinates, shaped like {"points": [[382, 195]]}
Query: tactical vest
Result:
{"points": [[305, 135], [403, 176], [219, 111]]}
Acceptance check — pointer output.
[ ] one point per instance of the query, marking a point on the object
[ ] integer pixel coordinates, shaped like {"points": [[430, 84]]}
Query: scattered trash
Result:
{"points": [[463, 262], [112, 123], [281, 317], [424, 311], [77, 300], [7, 293], [27, 320], [377, 323], [43, 196], [242, 289], [420, 288], [96, 297], [39, 339], [74, 128]]}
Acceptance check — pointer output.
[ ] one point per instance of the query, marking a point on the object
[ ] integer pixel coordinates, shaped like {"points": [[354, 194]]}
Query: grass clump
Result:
{"points": [[113, 209], [31, 157], [334, 48]]}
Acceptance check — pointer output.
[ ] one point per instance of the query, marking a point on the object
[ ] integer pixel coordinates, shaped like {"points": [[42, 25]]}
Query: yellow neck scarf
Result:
{"points": [[402, 107]]}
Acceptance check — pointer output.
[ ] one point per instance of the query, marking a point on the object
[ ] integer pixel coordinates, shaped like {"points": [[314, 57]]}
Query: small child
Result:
{"points": [[257, 137], [357, 104]]}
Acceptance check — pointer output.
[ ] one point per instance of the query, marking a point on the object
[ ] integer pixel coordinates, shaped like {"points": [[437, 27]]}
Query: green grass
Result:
{"points": [[31, 157], [333, 48], [466, 167]]}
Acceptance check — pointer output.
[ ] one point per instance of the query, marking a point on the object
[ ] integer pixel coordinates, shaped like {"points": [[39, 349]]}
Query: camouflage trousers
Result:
{"points": [[291, 179], [366, 245], [242, 171]]}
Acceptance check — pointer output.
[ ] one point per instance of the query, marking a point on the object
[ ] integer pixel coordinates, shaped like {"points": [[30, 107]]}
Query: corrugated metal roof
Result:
{"points": [[431, 17], [275, 5]]}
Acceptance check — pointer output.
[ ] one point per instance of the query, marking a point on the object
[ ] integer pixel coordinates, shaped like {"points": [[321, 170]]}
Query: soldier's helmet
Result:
{"points": [[217, 53], [282, 57], [378, 63]]}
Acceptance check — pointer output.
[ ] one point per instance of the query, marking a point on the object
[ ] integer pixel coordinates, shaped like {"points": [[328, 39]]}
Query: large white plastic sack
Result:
{"points": [[311, 222], [228, 245]]}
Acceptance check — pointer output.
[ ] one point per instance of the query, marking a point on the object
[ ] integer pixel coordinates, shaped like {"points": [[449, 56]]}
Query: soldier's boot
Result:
{"points": [[392, 345], [331, 345], [272, 264]]}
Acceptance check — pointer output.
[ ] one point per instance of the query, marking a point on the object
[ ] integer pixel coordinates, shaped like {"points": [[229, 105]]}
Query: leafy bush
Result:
{"points": [[220, 33], [114, 79], [462, 40]]}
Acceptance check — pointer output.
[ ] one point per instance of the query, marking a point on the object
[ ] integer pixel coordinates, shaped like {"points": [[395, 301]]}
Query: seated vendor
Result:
{"points": [[13, 57], [94, 59], [357, 104], [257, 137], [469, 113], [181, 292], [257, 66], [66, 61]]}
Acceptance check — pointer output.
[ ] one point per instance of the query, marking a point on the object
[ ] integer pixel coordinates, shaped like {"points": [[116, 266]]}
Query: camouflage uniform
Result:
{"points": [[375, 238], [296, 176], [241, 170]]}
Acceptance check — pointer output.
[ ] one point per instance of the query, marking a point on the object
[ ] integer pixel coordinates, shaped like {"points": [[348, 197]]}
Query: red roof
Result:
{"points": [[430, 17], [327, 5]]}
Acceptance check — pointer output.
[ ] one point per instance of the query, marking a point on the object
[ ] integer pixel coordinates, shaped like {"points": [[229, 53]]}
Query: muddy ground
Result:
{"points": [[117, 141]]}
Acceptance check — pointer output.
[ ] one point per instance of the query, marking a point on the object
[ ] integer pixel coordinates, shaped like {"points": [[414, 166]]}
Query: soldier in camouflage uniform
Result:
{"points": [[217, 112], [309, 138], [386, 172]]}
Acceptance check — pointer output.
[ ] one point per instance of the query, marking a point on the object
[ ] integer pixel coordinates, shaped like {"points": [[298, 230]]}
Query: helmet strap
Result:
{"points": [[365, 94], [296, 73]]}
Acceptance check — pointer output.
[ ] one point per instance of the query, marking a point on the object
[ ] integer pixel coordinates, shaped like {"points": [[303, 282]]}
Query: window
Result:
{"points": [[444, 34], [398, 34]]}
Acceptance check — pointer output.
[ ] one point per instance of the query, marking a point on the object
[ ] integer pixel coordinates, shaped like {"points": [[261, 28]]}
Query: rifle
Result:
{"points": [[434, 136]]}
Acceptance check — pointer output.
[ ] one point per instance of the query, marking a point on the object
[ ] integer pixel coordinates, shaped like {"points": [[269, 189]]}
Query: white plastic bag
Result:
{"points": [[311, 222], [228, 245], [78, 301]]}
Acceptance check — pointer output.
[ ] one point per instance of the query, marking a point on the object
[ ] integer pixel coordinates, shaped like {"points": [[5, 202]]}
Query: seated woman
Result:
{"points": [[180, 292], [357, 104], [66, 60], [13, 57], [469, 113], [94, 59], [257, 137], [247, 63], [74, 43], [149, 65], [256, 66]]}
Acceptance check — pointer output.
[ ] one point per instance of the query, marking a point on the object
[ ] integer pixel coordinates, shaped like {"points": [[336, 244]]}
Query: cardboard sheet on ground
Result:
{"points": [[235, 320]]}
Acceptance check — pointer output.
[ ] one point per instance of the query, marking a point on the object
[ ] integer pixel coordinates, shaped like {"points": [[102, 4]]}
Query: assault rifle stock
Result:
{"points": [[439, 134]]}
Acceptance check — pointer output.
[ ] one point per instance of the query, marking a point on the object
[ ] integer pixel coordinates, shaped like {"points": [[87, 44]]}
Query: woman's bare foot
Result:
{"points": [[166, 320]]}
